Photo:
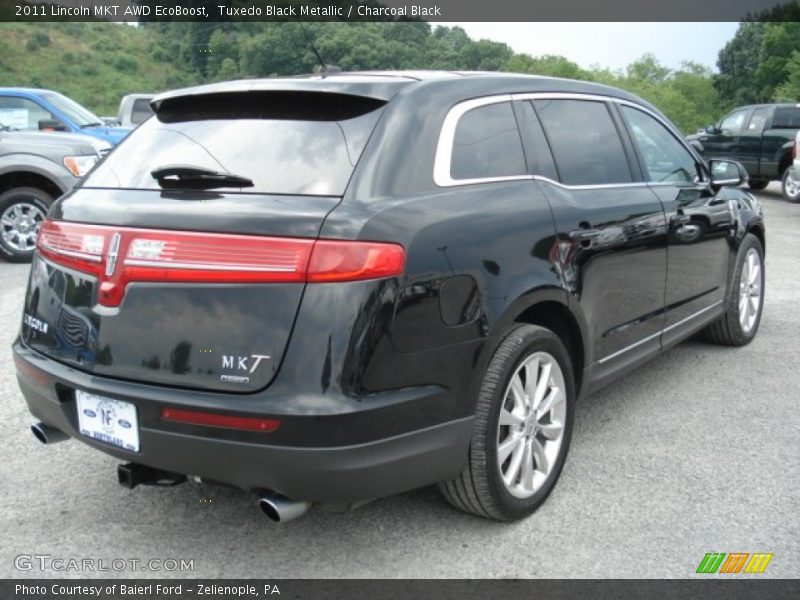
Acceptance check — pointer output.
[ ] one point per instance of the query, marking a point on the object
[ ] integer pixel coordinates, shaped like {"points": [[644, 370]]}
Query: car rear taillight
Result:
{"points": [[120, 255]]}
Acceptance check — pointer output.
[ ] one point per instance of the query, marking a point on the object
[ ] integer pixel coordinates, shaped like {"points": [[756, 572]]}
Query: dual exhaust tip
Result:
{"points": [[276, 508], [48, 435], [280, 509]]}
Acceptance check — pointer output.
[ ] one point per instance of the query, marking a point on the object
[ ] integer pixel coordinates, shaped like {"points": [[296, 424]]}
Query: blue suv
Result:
{"points": [[44, 110]]}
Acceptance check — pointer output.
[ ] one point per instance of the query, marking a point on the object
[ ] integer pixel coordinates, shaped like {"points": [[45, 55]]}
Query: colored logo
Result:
{"points": [[734, 562]]}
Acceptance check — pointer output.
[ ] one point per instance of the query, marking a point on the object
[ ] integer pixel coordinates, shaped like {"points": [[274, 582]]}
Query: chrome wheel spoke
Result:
{"points": [[507, 447], [553, 398], [518, 392], [527, 467], [512, 472], [531, 377], [542, 464], [541, 385], [510, 419], [552, 431]]}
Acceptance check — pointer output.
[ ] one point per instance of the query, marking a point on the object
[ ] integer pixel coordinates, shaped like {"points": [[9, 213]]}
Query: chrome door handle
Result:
{"points": [[584, 235]]}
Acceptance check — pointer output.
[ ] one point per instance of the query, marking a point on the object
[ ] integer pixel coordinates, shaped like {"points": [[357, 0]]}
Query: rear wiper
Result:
{"points": [[195, 178]]}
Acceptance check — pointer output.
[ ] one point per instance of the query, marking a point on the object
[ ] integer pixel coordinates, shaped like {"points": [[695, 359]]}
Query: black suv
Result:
{"points": [[337, 288]]}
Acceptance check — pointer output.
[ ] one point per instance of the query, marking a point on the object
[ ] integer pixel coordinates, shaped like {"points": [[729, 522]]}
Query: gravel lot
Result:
{"points": [[697, 451]]}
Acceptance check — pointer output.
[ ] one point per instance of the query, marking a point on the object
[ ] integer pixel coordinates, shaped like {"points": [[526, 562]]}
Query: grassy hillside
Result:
{"points": [[94, 63]]}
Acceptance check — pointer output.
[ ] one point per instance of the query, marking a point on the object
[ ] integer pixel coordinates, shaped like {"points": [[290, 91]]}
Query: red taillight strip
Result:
{"points": [[192, 417], [120, 255]]}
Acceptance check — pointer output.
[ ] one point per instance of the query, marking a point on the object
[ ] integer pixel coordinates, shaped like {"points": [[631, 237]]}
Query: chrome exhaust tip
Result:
{"points": [[280, 509], [48, 435]]}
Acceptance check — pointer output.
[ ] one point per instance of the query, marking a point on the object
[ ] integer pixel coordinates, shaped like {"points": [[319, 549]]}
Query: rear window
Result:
{"points": [[787, 118], [141, 111], [286, 142]]}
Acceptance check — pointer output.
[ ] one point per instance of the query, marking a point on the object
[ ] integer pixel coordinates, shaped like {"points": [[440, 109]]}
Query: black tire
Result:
{"points": [[757, 184], [23, 196], [728, 330], [479, 488], [790, 189]]}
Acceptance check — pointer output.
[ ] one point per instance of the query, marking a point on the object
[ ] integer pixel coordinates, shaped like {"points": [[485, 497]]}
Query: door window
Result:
{"points": [[758, 120], [787, 117], [487, 144], [734, 122], [664, 158], [21, 113], [585, 143]]}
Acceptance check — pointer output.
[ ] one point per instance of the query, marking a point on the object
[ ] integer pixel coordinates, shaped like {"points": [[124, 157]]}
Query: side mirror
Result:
{"points": [[711, 129], [727, 173], [51, 125]]}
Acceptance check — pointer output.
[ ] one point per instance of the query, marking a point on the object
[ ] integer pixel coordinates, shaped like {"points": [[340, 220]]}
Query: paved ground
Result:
{"points": [[698, 451]]}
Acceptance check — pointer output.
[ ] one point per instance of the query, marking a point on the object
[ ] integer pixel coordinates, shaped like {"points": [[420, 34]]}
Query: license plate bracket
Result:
{"points": [[108, 420]]}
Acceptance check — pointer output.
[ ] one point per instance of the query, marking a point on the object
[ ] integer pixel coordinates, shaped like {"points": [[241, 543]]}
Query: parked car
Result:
{"points": [[341, 287], [43, 110], [761, 137], [134, 109], [35, 169], [791, 183]]}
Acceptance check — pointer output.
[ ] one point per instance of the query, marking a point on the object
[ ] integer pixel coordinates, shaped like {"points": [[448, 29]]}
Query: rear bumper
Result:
{"points": [[336, 474]]}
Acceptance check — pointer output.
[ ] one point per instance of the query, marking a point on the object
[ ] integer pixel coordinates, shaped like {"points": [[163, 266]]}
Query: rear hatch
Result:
{"points": [[182, 258]]}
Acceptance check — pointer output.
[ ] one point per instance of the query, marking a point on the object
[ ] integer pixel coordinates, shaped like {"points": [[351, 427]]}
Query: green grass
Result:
{"points": [[94, 63]]}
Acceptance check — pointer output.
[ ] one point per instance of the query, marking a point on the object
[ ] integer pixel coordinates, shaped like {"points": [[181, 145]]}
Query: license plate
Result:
{"points": [[108, 420]]}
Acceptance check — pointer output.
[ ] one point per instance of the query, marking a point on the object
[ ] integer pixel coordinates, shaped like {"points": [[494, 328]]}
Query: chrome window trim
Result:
{"points": [[444, 146]]}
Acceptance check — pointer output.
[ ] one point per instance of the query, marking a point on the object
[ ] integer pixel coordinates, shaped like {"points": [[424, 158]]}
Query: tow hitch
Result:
{"points": [[130, 475]]}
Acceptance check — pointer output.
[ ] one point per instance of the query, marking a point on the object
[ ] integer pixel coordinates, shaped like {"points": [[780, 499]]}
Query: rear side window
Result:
{"points": [[286, 143], [787, 117], [141, 111], [584, 141], [757, 120], [487, 144]]}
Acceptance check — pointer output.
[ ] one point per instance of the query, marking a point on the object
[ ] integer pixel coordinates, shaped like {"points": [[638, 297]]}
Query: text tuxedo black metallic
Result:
{"points": [[336, 288]]}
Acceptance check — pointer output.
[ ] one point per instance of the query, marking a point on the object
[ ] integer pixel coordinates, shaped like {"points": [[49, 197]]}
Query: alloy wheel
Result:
{"points": [[531, 425], [20, 225], [750, 290]]}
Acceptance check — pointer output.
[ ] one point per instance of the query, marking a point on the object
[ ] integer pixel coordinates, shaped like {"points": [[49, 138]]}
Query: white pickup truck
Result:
{"points": [[791, 183], [134, 109]]}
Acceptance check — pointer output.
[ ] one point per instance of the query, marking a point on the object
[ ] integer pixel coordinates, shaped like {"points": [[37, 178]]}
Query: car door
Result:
{"points": [[724, 143], [610, 252], [750, 140], [698, 218]]}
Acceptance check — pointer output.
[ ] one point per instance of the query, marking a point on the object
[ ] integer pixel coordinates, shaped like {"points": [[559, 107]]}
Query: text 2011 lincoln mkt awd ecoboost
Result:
{"points": [[337, 288]]}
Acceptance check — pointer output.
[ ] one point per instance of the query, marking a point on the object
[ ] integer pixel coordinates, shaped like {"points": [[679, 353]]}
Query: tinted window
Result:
{"points": [[664, 157], [487, 144], [20, 113], [787, 117], [141, 111], [734, 122], [584, 141], [536, 143], [280, 155], [757, 120]]}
